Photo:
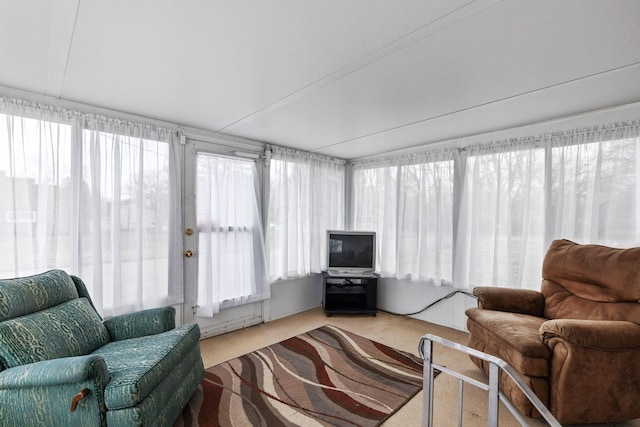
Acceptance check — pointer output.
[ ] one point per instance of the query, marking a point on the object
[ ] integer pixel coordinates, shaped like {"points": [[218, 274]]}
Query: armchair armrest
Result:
{"points": [[68, 370], [66, 391], [592, 358], [141, 323], [512, 300], [600, 334]]}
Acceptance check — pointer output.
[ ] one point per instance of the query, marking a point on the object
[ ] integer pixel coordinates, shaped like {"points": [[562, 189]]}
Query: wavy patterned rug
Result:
{"points": [[325, 377]]}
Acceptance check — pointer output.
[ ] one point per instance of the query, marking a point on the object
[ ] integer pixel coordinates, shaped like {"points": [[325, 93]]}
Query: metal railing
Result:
{"points": [[495, 395]]}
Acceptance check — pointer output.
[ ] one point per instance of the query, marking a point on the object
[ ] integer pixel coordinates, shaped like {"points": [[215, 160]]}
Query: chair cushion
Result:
{"points": [[26, 295], [513, 337], [594, 272], [562, 304], [138, 365], [72, 328]]}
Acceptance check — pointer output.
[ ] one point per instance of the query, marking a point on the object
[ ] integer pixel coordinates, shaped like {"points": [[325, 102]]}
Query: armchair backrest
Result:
{"points": [[591, 282], [47, 316], [25, 295]]}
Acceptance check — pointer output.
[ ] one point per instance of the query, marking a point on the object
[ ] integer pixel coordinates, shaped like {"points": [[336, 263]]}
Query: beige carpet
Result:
{"points": [[400, 332]]}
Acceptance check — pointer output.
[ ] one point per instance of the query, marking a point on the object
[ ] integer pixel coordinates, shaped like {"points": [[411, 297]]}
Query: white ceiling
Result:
{"points": [[346, 78]]}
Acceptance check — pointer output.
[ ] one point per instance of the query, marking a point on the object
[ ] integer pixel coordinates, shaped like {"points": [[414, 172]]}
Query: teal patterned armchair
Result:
{"points": [[61, 365]]}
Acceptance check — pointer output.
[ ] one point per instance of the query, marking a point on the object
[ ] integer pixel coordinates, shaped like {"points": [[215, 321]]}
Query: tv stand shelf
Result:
{"points": [[349, 294]]}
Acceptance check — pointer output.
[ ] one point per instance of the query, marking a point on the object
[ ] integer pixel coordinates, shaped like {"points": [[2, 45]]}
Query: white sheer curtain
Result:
{"points": [[35, 189], [485, 214], [425, 217], [500, 232], [306, 198], [595, 191], [127, 250], [92, 196], [375, 208], [408, 201], [232, 266]]}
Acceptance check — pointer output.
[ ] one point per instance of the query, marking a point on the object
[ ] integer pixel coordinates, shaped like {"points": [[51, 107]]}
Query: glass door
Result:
{"points": [[225, 270]]}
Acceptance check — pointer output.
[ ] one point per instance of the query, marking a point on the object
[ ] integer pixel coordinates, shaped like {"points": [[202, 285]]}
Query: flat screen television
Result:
{"points": [[351, 252]]}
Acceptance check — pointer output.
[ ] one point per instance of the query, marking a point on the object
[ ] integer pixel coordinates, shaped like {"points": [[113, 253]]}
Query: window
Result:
{"points": [[409, 204], [374, 208], [124, 220], [306, 199], [231, 262], [35, 196], [92, 196], [425, 221], [595, 192], [485, 214], [501, 241]]}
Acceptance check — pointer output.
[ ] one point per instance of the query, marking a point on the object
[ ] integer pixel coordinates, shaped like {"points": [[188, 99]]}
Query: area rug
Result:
{"points": [[325, 377]]}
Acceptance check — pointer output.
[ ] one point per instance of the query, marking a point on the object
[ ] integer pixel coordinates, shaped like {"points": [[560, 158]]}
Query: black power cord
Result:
{"points": [[449, 295]]}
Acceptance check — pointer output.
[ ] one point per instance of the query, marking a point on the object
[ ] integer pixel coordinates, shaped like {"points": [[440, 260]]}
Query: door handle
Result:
{"points": [[188, 253]]}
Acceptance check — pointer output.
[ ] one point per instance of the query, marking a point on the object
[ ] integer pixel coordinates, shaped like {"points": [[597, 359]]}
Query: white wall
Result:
{"points": [[293, 296], [407, 297], [396, 296]]}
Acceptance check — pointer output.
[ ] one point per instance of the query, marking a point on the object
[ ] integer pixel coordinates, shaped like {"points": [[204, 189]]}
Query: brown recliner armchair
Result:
{"points": [[577, 341]]}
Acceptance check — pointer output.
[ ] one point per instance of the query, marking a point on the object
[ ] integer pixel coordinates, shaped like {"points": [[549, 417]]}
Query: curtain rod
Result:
{"points": [[532, 129]]}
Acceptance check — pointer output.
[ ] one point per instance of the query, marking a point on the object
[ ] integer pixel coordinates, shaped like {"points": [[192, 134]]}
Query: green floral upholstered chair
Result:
{"points": [[61, 365]]}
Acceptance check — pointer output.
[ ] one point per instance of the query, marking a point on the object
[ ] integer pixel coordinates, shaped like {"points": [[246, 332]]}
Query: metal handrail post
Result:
{"points": [[493, 395], [426, 350]]}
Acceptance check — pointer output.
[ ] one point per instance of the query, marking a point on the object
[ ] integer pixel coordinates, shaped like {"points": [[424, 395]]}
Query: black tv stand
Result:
{"points": [[349, 294]]}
